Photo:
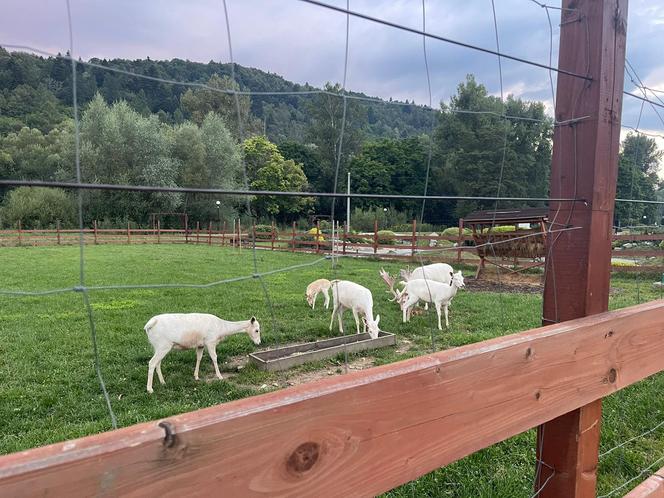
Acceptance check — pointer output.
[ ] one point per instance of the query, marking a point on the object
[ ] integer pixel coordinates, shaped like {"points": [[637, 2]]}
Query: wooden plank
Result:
{"points": [[653, 487], [584, 165], [363, 433]]}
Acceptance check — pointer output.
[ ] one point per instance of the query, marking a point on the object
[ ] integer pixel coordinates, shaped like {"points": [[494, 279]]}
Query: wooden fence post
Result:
{"points": [[253, 230], [210, 233], [158, 231], [414, 239], [95, 230], [239, 233], [344, 239], [461, 240], [186, 229], [57, 227], [128, 233], [375, 237], [223, 234], [273, 235], [318, 236], [293, 243], [198, 232], [19, 233], [570, 443]]}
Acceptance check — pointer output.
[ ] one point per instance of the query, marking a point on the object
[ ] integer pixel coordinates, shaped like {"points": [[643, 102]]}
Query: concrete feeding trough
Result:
{"points": [[284, 358]]}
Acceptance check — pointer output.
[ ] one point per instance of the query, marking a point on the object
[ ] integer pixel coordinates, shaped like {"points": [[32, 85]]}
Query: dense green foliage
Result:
{"points": [[637, 179], [141, 131]]}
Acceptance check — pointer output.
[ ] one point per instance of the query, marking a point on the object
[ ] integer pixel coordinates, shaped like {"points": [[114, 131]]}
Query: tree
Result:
{"points": [[469, 151], [268, 170], [638, 164], [197, 103], [284, 176], [324, 131], [37, 208], [258, 152]]}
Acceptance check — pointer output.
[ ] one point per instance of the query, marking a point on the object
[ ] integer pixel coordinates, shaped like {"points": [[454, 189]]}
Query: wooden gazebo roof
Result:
{"points": [[508, 216]]}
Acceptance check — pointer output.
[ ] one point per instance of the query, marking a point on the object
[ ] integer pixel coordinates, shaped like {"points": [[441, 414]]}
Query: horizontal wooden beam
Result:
{"points": [[361, 433], [653, 487]]}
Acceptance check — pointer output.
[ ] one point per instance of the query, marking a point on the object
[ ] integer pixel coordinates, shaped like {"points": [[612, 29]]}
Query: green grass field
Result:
{"points": [[49, 391]]}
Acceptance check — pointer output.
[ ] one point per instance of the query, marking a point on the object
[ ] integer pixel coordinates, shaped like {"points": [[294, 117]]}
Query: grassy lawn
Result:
{"points": [[49, 391]]}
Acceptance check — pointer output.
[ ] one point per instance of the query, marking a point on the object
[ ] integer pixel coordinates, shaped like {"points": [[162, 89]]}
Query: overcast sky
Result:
{"points": [[305, 43]]}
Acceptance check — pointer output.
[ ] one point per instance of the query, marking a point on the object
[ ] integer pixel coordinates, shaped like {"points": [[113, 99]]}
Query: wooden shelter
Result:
{"points": [[509, 234]]}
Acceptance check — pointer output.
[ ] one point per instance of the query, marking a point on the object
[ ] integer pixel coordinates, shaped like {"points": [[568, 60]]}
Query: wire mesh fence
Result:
{"points": [[339, 244]]}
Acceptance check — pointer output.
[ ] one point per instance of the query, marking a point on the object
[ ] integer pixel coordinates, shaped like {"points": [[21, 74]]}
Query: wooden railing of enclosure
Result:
{"points": [[363, 433], [407, 246]]}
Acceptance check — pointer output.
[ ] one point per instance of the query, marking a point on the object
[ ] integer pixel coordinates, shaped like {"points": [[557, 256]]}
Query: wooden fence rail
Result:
{"points": [[362, 433], [405, 246]]}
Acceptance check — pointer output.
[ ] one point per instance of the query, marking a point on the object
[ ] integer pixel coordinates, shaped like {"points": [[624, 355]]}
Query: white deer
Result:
{"points": [[192, 331], [349, 295], [429, 291], [315, 288], [436, 272]]}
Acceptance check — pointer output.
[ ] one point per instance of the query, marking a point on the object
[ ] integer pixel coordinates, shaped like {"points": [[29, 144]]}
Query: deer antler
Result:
{"points": [[389, 280], [405, 274]]}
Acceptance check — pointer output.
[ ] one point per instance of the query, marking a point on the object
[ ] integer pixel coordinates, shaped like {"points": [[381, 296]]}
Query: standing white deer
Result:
{"points": [[432, 292], [192, 331], [349, 295], [436, 272]]}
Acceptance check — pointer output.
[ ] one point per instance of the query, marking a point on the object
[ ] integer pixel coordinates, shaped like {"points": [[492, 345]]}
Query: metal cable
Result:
{"points": [[246, 192], [229, 91], [10, 292], [245, 178], [440, 38], [638, 476], [338, 154], [86, 300]]}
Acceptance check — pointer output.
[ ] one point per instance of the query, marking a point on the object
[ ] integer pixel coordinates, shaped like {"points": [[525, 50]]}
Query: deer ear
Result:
{"points": [[253, 319], [377, 319]]}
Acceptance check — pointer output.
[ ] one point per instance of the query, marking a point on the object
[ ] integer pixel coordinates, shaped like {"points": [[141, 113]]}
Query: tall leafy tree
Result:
{"points": [[327, 118], [268, 170], [638, 164], [469, 150]]}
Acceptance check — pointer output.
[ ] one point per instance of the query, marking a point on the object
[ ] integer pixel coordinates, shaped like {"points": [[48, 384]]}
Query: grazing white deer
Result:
{"points": [[315, 288], [192, 331], [358, 299], [437, 272], [432, 292]]}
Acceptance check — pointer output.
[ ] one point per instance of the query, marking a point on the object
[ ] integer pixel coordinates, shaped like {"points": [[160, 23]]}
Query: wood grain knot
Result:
{"points": [[303, 458], [609, 334], [612, 375], [538, 395], [529, 353]]}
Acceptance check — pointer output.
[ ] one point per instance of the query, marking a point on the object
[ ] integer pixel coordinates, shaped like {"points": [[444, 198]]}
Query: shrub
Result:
{"points": [[454, 231], [623, 263], [38, 208], [263, 232], [363, 220], [355, 238], [408, 227], [500, 229], [386, 237]]}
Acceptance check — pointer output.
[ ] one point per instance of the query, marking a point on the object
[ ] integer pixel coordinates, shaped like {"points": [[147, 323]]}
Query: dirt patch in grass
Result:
{"points": [[296, 379], [485, 285]]}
